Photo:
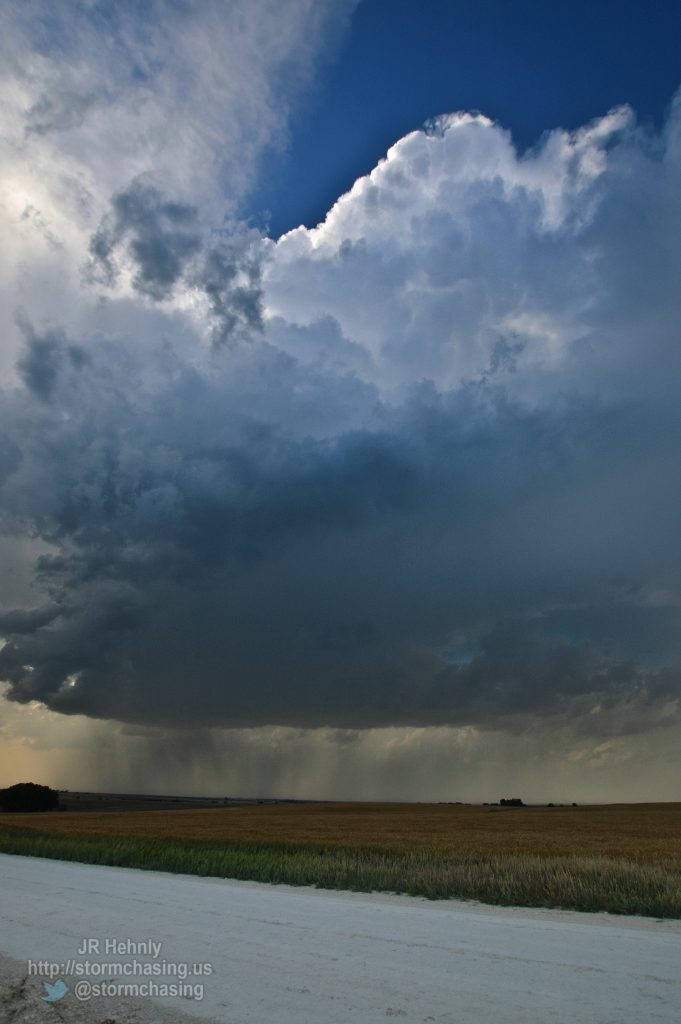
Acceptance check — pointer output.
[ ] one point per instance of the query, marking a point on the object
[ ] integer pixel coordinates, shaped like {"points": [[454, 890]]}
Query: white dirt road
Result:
{"points": [[283, 955]]}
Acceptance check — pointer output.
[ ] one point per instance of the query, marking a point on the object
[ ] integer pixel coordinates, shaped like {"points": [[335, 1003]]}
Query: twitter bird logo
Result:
{"points": [[54, 992]]}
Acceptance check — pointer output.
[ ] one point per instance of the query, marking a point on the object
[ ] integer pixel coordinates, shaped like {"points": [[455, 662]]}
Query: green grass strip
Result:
{"points": [[570, 883]]}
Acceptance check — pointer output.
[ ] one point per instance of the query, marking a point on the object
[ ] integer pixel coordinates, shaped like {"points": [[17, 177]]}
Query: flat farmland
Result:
{"points": [[642, 833], [620, 858]]}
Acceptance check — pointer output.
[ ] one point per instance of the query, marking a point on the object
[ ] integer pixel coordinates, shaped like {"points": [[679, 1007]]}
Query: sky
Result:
{"points": [[339, 401], [529, 65]]}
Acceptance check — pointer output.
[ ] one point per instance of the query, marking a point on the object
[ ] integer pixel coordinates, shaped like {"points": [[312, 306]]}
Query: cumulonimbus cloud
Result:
{"points": [[433, 480]]}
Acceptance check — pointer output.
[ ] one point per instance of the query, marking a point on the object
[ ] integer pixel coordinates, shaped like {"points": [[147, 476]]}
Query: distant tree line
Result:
{"points": [[28, 796]]}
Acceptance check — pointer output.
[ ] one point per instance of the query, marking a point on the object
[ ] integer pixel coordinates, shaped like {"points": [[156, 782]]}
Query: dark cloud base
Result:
{"points": [[218, 570]]}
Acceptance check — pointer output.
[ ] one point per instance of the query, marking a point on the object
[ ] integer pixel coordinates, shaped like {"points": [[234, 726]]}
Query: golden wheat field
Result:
{"points": [[640, 833]]}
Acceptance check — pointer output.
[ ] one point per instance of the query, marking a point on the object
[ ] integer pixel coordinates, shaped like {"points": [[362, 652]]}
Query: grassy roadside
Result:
{"points": [[566, 882]]}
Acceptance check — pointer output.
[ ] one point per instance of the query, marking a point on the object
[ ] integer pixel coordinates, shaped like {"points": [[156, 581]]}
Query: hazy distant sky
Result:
{"points": [[381, 505]]}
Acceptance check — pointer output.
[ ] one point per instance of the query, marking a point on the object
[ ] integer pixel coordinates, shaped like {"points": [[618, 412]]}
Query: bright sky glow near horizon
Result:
{"points": [[340, 410]]}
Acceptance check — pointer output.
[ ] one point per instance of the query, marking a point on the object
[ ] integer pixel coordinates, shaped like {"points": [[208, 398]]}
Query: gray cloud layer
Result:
{"points": [[431, 480], [163, 242]]}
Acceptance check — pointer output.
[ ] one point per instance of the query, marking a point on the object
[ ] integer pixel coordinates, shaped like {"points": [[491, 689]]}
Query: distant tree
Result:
{"points": [[513, 801], [29, 796]]}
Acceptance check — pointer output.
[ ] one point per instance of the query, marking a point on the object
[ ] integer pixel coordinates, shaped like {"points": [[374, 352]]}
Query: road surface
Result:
{"points": [[282, 955]]}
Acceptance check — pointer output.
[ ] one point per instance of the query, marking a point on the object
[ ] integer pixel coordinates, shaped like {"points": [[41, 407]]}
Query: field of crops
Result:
{"points": [[621, 858], [642, 833]]}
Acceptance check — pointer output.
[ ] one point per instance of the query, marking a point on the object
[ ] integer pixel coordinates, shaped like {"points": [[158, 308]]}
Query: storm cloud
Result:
{"points": [[417, 466], [159, 243]]}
